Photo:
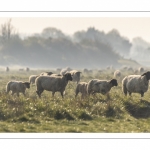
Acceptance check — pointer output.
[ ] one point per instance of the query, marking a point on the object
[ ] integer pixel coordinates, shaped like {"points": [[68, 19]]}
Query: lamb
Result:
{"points": [[117, 74], [52, 83], [82, 88], [17, 87], [136, 83], [32, 79], [100, 86], [75, 75]]}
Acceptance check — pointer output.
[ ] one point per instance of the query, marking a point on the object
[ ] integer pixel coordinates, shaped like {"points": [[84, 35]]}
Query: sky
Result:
{"points": [[129, 27]]}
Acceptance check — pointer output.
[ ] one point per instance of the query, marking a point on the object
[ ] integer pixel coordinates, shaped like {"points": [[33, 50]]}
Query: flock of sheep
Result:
{"points": [[57, 83]]}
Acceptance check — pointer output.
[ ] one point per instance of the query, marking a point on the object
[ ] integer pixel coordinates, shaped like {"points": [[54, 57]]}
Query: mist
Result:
{"points": [[89, 48]]}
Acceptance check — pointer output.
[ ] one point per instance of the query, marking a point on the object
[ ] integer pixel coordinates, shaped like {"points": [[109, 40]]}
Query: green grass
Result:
{"points": [[119, 114]]}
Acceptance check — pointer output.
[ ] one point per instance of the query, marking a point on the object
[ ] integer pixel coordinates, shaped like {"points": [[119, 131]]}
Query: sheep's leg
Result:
{"points": [[82, 96], [24, 94], [12, 93], [53, 94], [18, 94], [130, 93], [108, 96], [76, 94], [142, 94], [124, 89], [94, 95], [62, 94], [39, 93]]}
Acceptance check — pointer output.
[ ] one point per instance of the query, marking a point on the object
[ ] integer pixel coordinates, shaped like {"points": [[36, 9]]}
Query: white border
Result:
{"points": [[74, 135], [74, 14]]}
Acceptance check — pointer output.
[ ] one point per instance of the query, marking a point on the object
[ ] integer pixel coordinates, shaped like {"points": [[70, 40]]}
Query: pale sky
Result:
{"points": [[127, 26]]}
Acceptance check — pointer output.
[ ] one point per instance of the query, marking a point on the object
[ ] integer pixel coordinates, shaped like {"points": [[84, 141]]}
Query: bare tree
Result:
{"points": [[7, 30]]}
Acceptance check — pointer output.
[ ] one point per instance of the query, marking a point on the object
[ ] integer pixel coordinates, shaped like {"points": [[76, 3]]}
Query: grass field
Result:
{"points": [[30, 114]]}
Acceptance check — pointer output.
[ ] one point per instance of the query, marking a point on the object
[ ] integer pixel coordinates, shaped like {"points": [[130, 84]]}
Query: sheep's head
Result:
{"points": [[78, 73], [75, 74], [27, 84], [49, 73], [113, 82], [68, 76], [147, 74]]}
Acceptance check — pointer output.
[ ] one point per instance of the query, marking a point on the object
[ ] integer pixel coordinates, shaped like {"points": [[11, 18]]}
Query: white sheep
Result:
{"points": [[75, 75], [141, 69], [136, 84], [52, 83], [81, 88], [54, 74], [32, 79], [17, 87], [65, 70], [117, 74], [100, 86], [130, 69]]}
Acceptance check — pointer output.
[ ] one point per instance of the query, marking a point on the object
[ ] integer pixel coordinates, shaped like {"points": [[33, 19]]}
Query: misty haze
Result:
{"points": [[90, 48]]}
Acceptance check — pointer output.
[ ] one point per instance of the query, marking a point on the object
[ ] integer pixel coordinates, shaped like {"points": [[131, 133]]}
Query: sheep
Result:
{"points": [[82, 88], [46, 73], [75, 75], [130, 69], [58, 69], [21, 69], [117, 74], [141, 69], [100, 86], [110, 67], [27, 69], [55, 74], [17, 87], [32, 79], [90, 71], [6, 69], [52, 83], [85, 70], [136, 71], [63, 71], [136, 84]]}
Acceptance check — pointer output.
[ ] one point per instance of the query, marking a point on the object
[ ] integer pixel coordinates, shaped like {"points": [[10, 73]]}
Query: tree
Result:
{"points": [[7, 30], [52, 32]]}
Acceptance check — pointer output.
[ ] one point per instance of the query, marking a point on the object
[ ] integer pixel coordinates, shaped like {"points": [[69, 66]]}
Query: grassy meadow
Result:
{"points": [[29, 114]]}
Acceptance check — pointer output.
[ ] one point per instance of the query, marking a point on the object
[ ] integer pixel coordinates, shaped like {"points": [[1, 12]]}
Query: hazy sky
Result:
{"points": [[127, 26]]}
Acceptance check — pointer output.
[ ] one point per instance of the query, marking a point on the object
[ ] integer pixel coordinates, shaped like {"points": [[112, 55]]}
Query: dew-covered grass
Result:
{"points": [[98, 114]]}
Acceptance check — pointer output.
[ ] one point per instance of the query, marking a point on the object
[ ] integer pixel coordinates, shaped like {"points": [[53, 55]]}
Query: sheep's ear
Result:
{"points": [[66, 74]]}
